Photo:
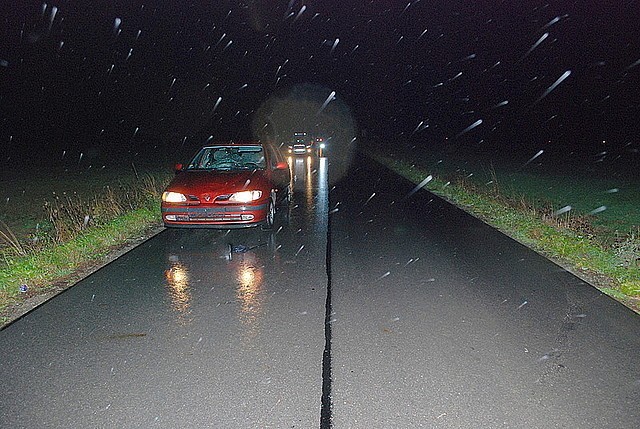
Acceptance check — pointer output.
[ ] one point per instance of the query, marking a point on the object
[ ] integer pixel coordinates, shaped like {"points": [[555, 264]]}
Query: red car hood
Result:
{"points": [[219, 182]]}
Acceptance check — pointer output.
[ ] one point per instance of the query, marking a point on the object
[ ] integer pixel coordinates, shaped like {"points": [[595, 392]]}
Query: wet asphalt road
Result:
{"points": [[435, 320], [442, 321]]}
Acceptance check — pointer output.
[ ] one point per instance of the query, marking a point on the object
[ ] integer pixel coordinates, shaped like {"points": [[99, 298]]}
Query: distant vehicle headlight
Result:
{"points": [[245, 196], [173, 197]]}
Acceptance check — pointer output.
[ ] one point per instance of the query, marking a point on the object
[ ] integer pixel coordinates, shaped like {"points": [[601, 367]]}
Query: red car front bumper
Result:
{"points": [[226, 217]]}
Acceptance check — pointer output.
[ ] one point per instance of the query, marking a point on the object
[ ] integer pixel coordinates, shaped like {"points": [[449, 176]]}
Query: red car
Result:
{"points": [[228, 185]]}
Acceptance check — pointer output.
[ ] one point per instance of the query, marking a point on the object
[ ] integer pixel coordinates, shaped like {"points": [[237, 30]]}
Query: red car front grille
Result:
{"points": [[217, 217]]}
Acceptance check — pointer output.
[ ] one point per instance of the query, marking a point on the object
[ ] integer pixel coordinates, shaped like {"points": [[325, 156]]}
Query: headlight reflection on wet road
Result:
{"points": [[249, 293], [308, 184], [310, 188], [178, 287], [322, 198]]}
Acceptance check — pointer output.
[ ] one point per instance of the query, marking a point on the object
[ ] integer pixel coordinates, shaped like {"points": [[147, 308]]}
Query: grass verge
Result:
{"points": [[38, 270], [573, 241], [74, 232]]}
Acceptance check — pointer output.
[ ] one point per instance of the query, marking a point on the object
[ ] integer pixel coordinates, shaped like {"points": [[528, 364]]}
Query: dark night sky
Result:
{"points": [[102, 76]]}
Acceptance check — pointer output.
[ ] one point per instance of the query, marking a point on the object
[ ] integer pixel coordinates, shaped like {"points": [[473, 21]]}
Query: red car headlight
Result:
{"points": [[173, 197], [245, 196]]}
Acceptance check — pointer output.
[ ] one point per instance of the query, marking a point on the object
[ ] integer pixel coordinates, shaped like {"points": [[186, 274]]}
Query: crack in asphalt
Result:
{"points": [[325, 410]]}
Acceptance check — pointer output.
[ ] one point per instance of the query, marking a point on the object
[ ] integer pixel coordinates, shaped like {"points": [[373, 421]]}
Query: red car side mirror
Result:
{"points": [[178, 167]]}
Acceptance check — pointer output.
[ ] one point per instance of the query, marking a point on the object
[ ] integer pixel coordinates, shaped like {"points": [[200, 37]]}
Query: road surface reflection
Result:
{"points": [[311, 191], [249, 293], [177, 277]]}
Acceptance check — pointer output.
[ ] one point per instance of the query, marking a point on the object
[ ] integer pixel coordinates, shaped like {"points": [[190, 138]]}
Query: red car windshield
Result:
{"points": [[226, 158]]}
